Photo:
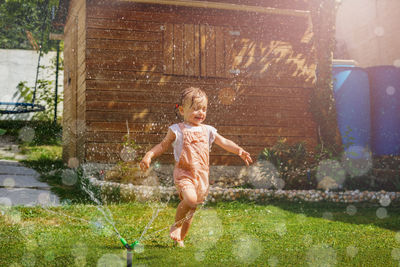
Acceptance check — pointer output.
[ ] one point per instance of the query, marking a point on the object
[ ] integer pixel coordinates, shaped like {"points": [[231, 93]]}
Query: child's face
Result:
{"points": [[194, 114]]}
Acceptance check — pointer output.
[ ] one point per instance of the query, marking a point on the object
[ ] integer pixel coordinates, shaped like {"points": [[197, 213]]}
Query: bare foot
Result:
{"points": [[175, 233], [180, 244]]}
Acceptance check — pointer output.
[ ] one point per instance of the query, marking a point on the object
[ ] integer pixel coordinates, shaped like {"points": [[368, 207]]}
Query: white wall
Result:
{"points": [[20, 65]]}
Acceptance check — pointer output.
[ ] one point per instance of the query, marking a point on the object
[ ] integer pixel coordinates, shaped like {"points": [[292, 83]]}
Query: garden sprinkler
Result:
{"points": [[129, 249]]}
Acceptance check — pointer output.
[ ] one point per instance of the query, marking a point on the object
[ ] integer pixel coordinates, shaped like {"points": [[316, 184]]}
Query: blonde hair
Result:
{"points": [[192, 94]]}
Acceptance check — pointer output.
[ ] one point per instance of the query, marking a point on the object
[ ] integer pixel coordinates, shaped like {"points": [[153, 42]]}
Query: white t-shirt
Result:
{"points": [[178, 143]]}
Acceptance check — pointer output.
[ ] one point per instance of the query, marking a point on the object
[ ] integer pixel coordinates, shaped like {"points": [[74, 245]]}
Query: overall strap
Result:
{"points": [[181, 126], [206, 133]]}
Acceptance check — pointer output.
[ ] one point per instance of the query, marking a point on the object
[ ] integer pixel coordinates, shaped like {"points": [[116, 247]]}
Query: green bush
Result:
{"points": [[44, 132]]}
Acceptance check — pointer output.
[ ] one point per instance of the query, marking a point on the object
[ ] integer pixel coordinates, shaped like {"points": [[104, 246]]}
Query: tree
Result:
{"points": [[19, 16]]}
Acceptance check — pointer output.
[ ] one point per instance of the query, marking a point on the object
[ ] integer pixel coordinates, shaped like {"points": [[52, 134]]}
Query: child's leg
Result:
{"points": [[184, 214], [187, 223]]}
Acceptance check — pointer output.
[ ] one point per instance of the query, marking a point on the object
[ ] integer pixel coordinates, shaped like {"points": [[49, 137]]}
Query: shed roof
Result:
{"points": [[266, 7]]}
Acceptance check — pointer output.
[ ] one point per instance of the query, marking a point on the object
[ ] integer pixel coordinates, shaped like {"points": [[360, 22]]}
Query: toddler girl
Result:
{"points": [[191, 141]]}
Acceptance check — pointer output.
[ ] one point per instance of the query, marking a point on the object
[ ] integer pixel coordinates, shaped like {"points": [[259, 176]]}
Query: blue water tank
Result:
{"points": [[385, 109], [352, 98]]}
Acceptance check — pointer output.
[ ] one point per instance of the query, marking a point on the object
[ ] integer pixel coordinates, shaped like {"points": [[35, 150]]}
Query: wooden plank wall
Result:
{"points": [[74, 82], [258, 71]]}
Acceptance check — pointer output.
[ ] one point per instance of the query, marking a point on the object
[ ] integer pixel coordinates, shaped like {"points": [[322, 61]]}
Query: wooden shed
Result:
{"points": [[127, 61]]}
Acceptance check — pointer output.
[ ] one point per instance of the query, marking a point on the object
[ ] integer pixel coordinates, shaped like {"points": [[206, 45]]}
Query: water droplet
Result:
{"points": [[199, 255], [330, 174], [69, 177], [5, 202], [390, 90], [263, 174], [14, 216], [379, 31], [28, 259], [73, 163], [357, 161], [9, 182], [351, 210], [307, 240], [207, 221], [247, 249], [384, 201], [280, 228], [327, 215], [397, 236], [111, 260], [44, 198], [26, 134], [381, 213], [128, 153], [139, 248], [321, 255], [49, 256], [273, 261], [351, 251], [396, 254]]}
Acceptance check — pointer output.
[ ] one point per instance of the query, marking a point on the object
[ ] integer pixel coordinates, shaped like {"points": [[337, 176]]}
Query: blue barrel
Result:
{"points": [[352, 98], [385, 109]]}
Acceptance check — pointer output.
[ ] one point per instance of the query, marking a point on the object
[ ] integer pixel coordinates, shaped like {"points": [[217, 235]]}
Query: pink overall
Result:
{"points": [[193, 167]]}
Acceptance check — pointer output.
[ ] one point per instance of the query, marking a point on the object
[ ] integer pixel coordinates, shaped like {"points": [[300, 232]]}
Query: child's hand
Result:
{"points": [[145, 163], [245, 156]]}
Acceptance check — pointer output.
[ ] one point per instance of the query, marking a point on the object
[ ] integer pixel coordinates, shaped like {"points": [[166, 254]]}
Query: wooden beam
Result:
{"points": [[225, 6]]}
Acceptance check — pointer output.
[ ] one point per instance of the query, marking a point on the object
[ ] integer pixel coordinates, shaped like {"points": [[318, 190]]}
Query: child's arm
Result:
{"points": [[157, 150], [230, 146]]}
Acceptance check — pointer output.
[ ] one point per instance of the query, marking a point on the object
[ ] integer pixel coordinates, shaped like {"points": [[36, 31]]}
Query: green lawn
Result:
{"points": [[224, 234]]}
